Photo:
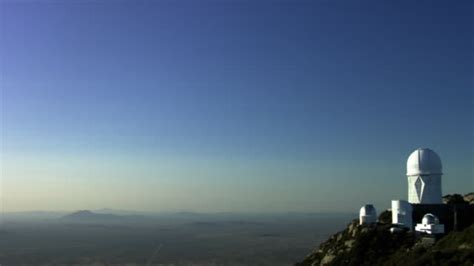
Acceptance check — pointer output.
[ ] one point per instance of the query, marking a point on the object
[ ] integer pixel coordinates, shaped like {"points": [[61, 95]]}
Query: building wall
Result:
{"points": [[367, 219], [402, 213], [424, 189]]}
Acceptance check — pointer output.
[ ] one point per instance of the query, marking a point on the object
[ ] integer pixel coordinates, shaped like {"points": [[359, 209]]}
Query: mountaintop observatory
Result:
{"points": [[424, 172], [425, 202]]}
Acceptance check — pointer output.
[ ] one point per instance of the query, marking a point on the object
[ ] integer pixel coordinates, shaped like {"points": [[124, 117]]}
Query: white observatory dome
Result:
{"points": [[429, 219], [367, 214], [430, 225], [367, 210], [423, 162], [424, 173]]}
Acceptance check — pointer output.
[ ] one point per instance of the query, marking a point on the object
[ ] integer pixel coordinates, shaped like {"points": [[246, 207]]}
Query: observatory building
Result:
{"points": [[367, 214], [424, 204], [424, 172], [430, 225], [402, 213]]}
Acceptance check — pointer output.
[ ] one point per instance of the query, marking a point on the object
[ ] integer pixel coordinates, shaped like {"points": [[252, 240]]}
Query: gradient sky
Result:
{"points": [[231, 105]]}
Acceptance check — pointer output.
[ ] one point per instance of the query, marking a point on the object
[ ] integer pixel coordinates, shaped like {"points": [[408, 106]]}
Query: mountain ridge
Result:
{"points": [[89, 216]]}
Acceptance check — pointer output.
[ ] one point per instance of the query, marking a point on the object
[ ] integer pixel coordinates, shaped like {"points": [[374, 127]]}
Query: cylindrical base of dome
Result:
{"points": [[402, 213], [424, 189]]}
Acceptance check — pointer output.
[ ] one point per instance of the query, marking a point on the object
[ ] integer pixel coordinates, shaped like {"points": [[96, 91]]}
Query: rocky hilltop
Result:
{"points": [[376, 245]]}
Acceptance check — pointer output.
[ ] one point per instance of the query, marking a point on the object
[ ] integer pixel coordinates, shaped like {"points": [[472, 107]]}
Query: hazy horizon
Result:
{"points": [[145, 212], [230, 106]]}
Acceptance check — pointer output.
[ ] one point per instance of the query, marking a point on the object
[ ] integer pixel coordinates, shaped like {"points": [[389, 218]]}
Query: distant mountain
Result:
{"points": [[88, 216], [32, 215], [120, 212]]}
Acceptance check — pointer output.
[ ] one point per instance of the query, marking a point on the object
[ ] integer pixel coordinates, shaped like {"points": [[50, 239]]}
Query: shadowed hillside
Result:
{"points": [[375, 245]]}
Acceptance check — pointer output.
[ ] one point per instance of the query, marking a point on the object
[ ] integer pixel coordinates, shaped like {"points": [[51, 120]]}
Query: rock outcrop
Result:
{"points": [[376, 245], [469, 198]]}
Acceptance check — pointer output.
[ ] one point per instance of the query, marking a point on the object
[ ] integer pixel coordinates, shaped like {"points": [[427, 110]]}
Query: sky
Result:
{"points": [[228, 105]]}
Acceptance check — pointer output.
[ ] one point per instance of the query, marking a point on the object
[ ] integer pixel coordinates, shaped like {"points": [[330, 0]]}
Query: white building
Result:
{"points": [[430, 225], [367, 214], [424, 172], [402, 214]]}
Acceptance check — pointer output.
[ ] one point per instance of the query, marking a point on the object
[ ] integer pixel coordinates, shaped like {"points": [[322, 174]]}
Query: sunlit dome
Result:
{"points": [[429, 219], [367, 214], [423, 161]]}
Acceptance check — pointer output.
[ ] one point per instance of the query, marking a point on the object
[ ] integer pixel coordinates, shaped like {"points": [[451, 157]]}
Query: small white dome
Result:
{"points": [[429, 219], [367, 210], [423, 162]]}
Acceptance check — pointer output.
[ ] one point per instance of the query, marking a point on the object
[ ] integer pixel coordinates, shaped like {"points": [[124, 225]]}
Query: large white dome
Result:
{"points": [[423, 162]]}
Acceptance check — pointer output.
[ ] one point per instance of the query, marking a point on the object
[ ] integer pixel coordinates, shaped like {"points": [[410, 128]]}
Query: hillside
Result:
{"points": [[375, 245]]}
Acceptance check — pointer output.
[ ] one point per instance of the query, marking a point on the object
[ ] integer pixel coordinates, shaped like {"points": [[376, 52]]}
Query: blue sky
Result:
{"points": [[231, 105]]}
